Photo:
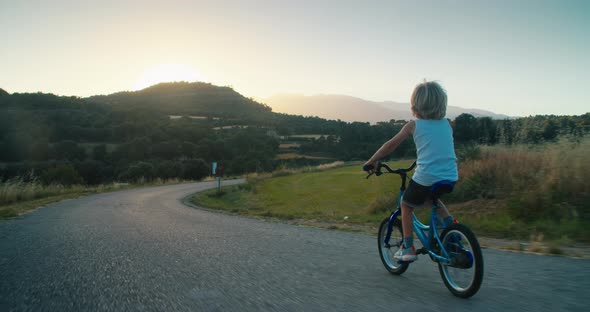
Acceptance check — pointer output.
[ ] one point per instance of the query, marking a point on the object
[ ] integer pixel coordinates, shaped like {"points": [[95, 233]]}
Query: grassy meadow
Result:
{"points": [[324, 193], [519, 192]]}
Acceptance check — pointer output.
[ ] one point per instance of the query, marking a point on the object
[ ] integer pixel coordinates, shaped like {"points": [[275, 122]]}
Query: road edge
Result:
{"points": [[582, 252]]}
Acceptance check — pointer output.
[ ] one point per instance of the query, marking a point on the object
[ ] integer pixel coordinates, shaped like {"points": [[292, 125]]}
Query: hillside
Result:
{"points": [[183, 98], [349, 109], [127, 135]]}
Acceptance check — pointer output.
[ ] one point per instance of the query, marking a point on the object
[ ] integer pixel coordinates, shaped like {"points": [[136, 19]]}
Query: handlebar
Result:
{"points": [[378, 172]]}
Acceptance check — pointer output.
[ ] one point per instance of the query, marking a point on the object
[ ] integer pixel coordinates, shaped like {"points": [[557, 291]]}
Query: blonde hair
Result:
{"points": [[429, 101]]}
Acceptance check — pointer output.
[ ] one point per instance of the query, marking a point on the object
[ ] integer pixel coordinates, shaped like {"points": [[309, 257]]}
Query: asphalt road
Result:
{"points": [[144, 250]]}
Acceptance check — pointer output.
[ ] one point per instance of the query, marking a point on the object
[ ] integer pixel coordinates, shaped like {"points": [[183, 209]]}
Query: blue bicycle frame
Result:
{"points": [[428, 235], [423, 232]]}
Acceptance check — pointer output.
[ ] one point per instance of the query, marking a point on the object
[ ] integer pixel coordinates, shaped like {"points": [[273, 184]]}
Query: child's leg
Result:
{"points": [[443, 213], [407, 226], [407, 252]]}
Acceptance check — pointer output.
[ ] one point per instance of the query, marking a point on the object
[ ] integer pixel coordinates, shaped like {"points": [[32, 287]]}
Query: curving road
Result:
{"points": [[143, 249]]}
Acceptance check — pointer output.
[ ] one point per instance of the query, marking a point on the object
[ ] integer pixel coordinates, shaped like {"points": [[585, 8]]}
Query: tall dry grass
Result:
{"points": [[16, 190], [548, 181]]}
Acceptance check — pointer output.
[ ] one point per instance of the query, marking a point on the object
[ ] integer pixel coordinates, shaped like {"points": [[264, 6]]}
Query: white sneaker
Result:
{"points": [[406, 254]]}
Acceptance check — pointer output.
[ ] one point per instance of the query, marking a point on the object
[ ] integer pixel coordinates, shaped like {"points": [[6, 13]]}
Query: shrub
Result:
{"points": [[332, 165], [99, 152], [195, 169], [137, 172], [63, 174], [169, 169], [91, 171], [68, 150]]}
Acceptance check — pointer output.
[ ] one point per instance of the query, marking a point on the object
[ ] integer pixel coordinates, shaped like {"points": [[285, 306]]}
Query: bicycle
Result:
{"points": [[455, 249]]}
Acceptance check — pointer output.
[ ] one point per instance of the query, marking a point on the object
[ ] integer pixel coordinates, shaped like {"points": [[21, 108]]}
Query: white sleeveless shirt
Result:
{"points": [[436, 152]]}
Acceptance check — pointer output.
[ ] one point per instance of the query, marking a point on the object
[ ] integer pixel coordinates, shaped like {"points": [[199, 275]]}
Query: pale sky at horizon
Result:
{"points": [[512, 57]]}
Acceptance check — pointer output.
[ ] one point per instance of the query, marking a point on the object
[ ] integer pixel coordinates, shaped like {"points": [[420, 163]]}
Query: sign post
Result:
{"points": [[218, 172]]}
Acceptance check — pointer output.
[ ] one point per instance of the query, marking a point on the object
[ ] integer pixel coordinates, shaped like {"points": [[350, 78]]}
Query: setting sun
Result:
{"points": [[167, 73]]}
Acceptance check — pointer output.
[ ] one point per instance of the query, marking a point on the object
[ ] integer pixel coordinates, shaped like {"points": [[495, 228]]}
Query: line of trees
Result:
{"points": [[358, 141], [527, 130], [43, 136]]}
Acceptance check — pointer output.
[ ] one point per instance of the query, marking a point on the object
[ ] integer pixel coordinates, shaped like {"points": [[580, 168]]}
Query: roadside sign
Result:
{"points": [[219, 171]]}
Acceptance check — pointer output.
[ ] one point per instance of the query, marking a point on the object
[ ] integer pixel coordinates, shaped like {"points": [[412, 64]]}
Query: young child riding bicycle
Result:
{"points": [[436, 159]]}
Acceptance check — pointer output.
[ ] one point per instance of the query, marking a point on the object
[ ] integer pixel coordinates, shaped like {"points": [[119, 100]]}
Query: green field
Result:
{"points": [[342, 197], [336, 195]]}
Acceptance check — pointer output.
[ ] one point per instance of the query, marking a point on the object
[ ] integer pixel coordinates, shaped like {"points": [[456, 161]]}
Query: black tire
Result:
{"points": [[468, 261], [386, 251]]}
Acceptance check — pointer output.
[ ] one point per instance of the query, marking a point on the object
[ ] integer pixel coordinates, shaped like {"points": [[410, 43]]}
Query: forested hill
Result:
{"points": [[131, 135], [184, 98]]}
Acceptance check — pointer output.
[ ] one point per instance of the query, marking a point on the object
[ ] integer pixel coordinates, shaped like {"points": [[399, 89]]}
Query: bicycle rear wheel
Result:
{"points": [[388, 249], [464, 274]]}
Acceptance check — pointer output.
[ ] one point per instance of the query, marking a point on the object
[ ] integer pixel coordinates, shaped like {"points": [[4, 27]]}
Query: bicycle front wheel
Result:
{"points": [[463, 275], [388, 248]]}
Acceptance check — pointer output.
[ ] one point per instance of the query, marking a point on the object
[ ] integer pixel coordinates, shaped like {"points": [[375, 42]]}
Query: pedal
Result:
{"points": [[421, 251]]}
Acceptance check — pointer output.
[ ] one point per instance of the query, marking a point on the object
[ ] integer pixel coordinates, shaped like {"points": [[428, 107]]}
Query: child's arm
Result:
{"points": [[390, 146]]}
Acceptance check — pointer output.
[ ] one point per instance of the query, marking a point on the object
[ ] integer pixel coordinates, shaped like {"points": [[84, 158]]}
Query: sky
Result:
{"points": [[517, 58]]}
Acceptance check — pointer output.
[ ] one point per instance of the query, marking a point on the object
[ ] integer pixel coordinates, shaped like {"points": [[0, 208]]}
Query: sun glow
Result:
{"points": [[167, 73]]}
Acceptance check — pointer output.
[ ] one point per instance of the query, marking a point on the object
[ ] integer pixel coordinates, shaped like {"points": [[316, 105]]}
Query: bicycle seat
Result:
{"points": [[442, 187]]}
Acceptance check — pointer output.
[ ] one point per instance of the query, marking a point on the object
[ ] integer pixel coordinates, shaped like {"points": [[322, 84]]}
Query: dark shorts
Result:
{"points": [[416, 194]]}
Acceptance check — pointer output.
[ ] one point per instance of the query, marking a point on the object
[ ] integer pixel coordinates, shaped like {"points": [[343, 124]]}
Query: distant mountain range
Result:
{"points": [[205, 99], [348, 108]]}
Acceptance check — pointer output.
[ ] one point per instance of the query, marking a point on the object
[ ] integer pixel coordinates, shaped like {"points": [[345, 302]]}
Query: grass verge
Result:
{"points": [[341, 197], [335, 194]]}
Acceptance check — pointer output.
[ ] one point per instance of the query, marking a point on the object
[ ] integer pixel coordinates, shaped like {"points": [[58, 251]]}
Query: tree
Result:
{"points": [[550, 130], [137, 171], [99, 152], [506, 132], [195, 169], [486, 130], [169, 169], [188, 149], [15, 147], [139, 149], [212, 150], [39, 151], [166, 150], [91, 171], [63, 174], [68, 150], [465, 128]]}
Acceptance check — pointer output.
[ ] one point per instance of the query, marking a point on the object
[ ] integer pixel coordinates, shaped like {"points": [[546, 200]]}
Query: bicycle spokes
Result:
{"points": [[463, 272]]}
